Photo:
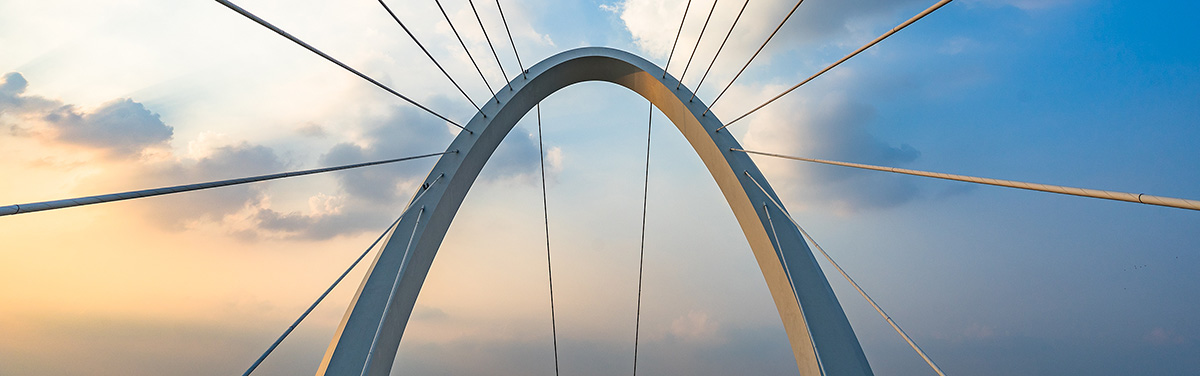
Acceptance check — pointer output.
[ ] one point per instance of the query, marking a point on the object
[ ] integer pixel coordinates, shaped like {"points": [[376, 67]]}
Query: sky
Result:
{"points": [[114, 95]]}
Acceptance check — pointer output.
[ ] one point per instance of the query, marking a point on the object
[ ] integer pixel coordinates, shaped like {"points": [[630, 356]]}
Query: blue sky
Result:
{"points": [[103, 96]]}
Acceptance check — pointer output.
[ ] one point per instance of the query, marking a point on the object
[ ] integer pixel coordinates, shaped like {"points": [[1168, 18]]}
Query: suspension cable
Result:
{"points": [[465, 49], [642, 253], [697, 47], [88, 200], [435, 62], [320, 298], [718, 54], [510, 40], [760, 48], [709, 107], [895, 326], [910, 21], [791, 285], [395, 285], [1140, 198], [490, 45], [279, 31], [546, 216], [677, 33]]}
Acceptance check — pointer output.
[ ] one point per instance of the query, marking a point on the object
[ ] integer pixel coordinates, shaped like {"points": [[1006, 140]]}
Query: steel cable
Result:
{"points": [[887, 318], [677, 33], [910, 21], [510, 40], [490, 45], [80, 201], [546, 216], [760, 48], [697, 47], [465, 49], [279, 31], [435, 62], [718, 54]]}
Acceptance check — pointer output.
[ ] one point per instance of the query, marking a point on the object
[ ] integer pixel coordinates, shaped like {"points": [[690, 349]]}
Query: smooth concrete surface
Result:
{"points": [[820, 335]]}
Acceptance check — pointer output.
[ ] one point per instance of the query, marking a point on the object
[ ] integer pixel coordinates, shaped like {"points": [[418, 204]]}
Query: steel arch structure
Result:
{"points": [[367, 339]]}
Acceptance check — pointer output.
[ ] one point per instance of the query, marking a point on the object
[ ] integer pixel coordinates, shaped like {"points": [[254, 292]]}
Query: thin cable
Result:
{"points": [[788, 271], [510, 40], [697, 47], [760, 48], [395, 284], [546, 215], [279, 31], [319, 299], [490, 45], [1140, 198], [852, 54], [88, 200], [718, 54], [895, 326], [642, 255], [677, 33], [435, 62], [464, 46]]}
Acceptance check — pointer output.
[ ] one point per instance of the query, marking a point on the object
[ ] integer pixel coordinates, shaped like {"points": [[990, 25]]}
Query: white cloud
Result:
{"points": [[694, 327]]}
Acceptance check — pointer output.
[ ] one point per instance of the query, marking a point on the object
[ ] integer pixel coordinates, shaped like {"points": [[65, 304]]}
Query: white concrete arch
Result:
{"points": [[820, 335]]}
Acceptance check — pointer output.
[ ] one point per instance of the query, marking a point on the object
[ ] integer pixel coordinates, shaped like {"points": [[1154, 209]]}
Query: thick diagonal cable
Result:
{"points": [[895, 326], [677, 33], [910, 21], [426, 51], [760, 48], [546, 216], [489, 42], [642, 252], [319, 299], [89, 200], [510, 39], [395, 285], [718, 54], [465, 49], [697, 47], [285, 34], [791, 285], [1139, 198]]}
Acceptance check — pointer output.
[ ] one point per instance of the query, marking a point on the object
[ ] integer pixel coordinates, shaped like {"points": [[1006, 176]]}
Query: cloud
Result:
{"points": [[517, 158], [653, 24], [694, 327], [830, 127], [121, 128], [372, 196], [214, 205], [126, 132], [400, 132]]}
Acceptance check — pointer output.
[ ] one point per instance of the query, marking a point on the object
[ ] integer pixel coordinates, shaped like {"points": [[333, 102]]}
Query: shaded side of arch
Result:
{"points": [[819, 333]]}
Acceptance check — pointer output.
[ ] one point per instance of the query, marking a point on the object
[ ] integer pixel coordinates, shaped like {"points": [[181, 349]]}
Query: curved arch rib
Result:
{"points": [[820, 327]]}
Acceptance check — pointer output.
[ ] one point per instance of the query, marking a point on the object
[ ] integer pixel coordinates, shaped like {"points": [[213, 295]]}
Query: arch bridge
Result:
{"points": [[821, 338]]}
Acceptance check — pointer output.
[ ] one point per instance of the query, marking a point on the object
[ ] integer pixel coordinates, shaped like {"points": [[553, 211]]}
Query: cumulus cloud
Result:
{"points": [[126, 132], [401, 132], [121, 128], [830, 127], [372, 196], [179, 211]]}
